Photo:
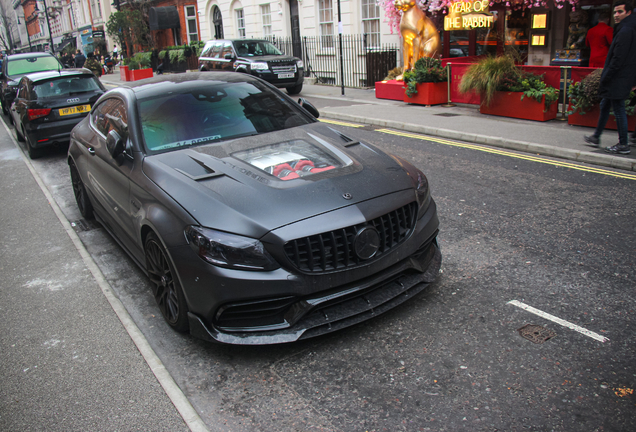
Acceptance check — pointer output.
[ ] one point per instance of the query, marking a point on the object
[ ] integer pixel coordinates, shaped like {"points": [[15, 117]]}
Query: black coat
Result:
{"points": [[79, 60], [619, 72]]}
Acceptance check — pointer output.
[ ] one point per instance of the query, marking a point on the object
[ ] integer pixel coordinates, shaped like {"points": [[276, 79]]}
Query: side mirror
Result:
{"points": [[309, 107], [114, 144], [228, 56]]}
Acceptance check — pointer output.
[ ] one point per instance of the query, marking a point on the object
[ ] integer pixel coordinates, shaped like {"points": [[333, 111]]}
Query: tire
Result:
{"points": [[34, 152], [295, 90], [81, 196], [165, 285], [5, 111]]}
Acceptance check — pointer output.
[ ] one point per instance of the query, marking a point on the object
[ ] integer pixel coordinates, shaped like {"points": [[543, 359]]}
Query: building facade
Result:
{"points": [[71, 22]]}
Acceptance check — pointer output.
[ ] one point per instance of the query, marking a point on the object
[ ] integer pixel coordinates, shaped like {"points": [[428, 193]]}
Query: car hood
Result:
{"points": [[232, 186]]}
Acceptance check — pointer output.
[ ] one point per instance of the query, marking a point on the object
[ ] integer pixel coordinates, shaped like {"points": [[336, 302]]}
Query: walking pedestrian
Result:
{"points": [[79, 59], [599, 39], [618, 77]]}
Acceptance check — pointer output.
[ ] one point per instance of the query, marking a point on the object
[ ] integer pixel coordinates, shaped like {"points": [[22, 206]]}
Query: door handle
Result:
{"points": [[91, 150]]}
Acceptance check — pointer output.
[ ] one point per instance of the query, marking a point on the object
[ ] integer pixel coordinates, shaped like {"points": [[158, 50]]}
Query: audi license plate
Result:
{"points": [[75, 110], [285, 75]]}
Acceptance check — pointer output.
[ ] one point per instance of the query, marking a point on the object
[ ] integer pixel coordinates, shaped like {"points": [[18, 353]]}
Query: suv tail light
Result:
{"points": [[37, 113]]}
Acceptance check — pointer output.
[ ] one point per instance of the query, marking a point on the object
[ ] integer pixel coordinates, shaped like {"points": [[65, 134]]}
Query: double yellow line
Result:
{"points": [[512, 155]]}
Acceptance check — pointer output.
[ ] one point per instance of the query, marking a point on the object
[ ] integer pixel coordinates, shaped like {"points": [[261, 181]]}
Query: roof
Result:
{"points": [[39, 76], [28, 55]]}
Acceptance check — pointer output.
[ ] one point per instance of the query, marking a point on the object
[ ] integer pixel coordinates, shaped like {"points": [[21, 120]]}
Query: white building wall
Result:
{"points": [[351, 11]]}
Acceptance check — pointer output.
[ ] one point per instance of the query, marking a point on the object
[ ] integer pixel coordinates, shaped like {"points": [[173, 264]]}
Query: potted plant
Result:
{"points": [[426, 83], [584, 103], [506, 90], [137, 67]]}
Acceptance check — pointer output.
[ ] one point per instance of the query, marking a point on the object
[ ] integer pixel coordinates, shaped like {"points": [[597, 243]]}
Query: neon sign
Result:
{"points": [[468, 15]]}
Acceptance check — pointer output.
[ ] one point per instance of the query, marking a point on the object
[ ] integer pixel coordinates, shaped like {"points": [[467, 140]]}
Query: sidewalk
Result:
{"points": [[462, 122], [68, 361]]}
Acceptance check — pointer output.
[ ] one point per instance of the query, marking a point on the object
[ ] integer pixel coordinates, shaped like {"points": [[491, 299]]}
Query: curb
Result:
{"points": [[522, 146]]}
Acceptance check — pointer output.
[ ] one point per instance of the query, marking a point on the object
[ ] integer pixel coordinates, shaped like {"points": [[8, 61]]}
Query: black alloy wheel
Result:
{"points": [[165, 285], [81, 196]]}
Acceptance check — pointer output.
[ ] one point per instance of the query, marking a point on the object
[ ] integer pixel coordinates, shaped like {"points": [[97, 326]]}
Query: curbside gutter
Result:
{"points": [[522, 146]]}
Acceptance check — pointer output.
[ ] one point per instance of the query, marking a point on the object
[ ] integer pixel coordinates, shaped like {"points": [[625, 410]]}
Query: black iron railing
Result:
{"points": [[363, 65]]}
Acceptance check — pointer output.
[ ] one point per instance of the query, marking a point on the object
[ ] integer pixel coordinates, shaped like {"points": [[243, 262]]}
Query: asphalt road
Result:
{"points": [[550, 236]]}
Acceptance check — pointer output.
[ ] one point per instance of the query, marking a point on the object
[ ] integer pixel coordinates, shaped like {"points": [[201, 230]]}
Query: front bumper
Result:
{"points": [[273, 79], [285, 305], [338, 309]]}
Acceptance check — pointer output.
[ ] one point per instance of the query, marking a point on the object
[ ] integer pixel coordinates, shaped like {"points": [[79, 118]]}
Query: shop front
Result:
{"points": [[537, 33]]}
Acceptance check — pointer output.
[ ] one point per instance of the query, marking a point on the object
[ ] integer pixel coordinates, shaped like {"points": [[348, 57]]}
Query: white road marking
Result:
{"points": [[557, 320]]}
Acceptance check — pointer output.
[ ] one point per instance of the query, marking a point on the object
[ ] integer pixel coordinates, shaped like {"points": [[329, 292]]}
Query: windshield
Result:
{"points": [[66, 86], [32, 64], [255, 48], [206, 112]]}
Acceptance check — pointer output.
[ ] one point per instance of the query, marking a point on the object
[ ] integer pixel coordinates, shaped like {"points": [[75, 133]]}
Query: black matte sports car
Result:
{"points": [[255, 223]]}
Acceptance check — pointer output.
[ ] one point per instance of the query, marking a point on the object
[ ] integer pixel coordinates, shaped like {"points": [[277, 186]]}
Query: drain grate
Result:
{"points": [[536, 333], [447, 114], [83, 225]]}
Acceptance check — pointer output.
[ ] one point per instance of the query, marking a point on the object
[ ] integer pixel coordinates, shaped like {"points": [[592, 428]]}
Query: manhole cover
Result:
{"points": [[83, 225], [447, 114], [536, 333]]}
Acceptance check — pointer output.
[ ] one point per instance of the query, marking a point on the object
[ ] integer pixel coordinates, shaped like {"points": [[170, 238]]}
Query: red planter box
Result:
{"points": [[139, 74], [123, 73], [509, 104], [392, 89], [590, 119], [429, 94], [134, 75]]}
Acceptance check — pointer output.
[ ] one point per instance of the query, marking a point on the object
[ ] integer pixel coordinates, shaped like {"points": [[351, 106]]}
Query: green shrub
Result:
{"points": [[493, 74], [425, 70]]}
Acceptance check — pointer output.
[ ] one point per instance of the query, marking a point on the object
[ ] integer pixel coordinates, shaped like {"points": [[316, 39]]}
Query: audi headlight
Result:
{"points": [[299, 64], [259, 66], [229, 250]]}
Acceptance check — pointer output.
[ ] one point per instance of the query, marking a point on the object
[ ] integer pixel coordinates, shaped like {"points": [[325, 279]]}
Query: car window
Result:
{"points": [[255, 48], [227, 49], [110, 114], [66, 86], [32, 64], [207, 49], [22, 90], [214, 112], [216, 50]]}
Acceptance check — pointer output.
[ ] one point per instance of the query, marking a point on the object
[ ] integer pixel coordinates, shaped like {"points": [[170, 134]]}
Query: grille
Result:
{"points": [[334, 250], [284, 68]]}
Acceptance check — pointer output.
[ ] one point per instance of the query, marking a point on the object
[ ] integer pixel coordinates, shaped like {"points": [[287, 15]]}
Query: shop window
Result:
{"points": [[517, 25], [487, 38]]}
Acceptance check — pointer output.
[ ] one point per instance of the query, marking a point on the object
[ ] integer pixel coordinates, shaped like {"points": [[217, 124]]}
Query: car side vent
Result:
{"points": [[336, 250]]}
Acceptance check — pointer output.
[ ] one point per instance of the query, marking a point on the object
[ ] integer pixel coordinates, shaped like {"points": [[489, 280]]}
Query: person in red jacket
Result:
{"points": [[599, 39]]}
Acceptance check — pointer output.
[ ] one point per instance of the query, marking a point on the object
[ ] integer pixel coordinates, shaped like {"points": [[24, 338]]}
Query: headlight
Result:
{"points": [[229, 250], [299, 64], [420, 182], [259, 66], [422, 190]]}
